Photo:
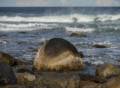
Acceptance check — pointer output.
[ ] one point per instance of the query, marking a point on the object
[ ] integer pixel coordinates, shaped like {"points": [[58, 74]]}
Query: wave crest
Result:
{"points": [[61, 18]]}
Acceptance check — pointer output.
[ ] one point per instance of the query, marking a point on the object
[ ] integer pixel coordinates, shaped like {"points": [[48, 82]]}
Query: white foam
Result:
{"points": [[78, 30], [106, 17], [25, 27], [108, 43], [61, 18], [17, 25], [98, 62]]}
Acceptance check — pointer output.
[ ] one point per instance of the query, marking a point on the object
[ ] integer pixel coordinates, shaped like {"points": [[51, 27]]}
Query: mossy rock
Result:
{"points": [[6, 58], [107, 70]]}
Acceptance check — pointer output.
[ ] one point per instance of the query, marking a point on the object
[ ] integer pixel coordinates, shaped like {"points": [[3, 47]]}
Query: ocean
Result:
{"points": [[24, 29]]}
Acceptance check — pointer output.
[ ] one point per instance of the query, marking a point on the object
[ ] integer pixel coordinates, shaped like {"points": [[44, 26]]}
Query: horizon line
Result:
{"points": [[61, 6]]}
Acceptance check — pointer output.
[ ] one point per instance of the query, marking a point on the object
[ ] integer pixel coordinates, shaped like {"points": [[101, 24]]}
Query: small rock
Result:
{"points": [[6, 58], [100, 46], [107, 70], [78, 34], [89, 84], [24, 68], [81, 54], [25, 77], [10, 60], [58, 54], [21, 62]]}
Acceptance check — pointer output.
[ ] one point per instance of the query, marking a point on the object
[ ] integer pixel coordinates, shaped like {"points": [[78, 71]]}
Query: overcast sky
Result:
{"points": [[4, 3]]}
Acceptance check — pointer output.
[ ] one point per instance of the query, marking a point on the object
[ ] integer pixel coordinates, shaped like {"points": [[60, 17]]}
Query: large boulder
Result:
{"points": [[58, 54]]}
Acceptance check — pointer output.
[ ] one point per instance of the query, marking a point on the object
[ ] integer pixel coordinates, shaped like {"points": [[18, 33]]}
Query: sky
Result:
{"points": [[30, 3]]}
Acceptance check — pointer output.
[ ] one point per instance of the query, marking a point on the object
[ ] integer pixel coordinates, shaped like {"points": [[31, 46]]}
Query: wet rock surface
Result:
{"points": [[7, 75], [85, 78], [21, 74]]}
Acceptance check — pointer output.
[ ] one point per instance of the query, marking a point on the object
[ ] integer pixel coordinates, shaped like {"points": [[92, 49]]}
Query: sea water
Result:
{"points": [[24, 29]]}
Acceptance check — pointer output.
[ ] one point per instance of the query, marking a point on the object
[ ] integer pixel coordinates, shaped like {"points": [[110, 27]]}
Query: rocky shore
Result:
{"points": [[59, 65]]}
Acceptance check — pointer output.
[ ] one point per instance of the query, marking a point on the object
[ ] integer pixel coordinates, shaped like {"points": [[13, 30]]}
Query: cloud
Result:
{"points": [[107, 2], [31, 2]]}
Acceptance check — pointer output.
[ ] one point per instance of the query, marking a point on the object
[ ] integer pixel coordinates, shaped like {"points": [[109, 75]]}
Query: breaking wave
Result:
{"points": [[42, 22], [60, 18], [77, 30]]}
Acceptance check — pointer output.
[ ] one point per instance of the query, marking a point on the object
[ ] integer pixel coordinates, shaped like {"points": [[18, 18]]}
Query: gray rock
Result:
{"points": [[7, 75]]}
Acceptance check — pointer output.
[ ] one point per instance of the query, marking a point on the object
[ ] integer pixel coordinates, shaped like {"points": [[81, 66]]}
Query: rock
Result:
{"points": [[6, 58], [100, 46], [75, 34], [58, 79], [7, 75], [106, 71], [25, 77], [58, 54], [21, 62], [10, 60], [89, 84], [24, 68], [81, 54], [112, 83]]}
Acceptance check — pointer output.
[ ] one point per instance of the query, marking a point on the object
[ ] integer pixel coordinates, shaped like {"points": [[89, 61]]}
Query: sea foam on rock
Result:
{"points": [[58, 54]]}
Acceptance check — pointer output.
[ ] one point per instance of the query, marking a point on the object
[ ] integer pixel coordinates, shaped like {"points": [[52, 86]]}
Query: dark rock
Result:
{"points": [[23, 32], [21, 62], [58, 54], [7, 75], [56, 79], [24, 68], [100, 46], [78, 35], [81, 54], [10, 60], [6, 58]]}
